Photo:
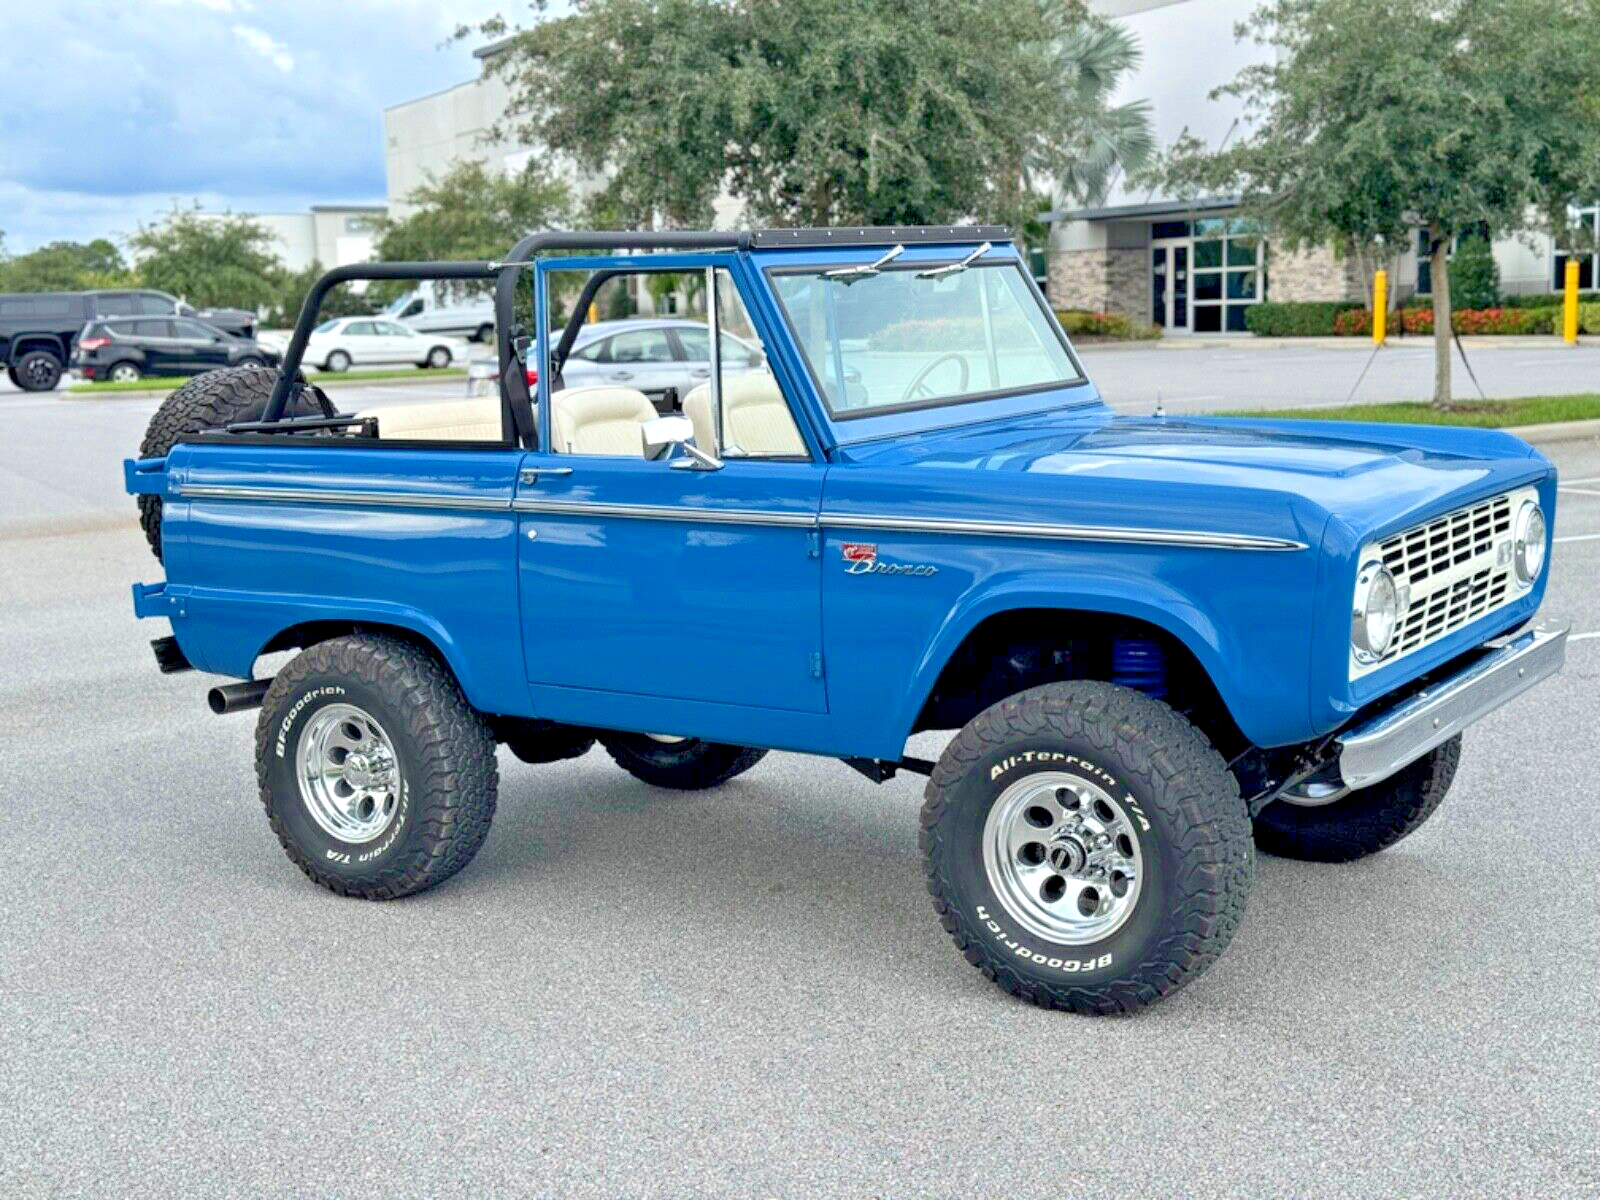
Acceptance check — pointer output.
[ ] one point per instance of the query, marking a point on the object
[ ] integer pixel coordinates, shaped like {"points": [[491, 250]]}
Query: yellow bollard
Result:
{"points": [[1569, 304], [1380, 307]]}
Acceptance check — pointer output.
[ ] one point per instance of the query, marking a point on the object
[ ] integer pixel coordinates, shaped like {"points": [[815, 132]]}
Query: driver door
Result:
{"points": [[644, 578]]}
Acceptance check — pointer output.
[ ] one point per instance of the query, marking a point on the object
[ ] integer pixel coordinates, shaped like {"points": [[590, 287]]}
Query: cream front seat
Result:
{"points": [[599, 420], [476, 420], [755, 417]]}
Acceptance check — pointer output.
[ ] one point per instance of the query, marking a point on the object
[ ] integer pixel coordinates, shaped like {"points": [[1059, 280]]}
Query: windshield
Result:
{"points": [[904, 338], [396, 307]]}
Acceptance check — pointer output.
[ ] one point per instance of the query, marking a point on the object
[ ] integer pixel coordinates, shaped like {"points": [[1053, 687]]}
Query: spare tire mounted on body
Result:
{"points": [[208, 401]]}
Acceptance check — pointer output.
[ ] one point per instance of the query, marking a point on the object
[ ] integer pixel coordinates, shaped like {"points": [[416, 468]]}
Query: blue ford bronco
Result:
{"points": [[1161, 643]]}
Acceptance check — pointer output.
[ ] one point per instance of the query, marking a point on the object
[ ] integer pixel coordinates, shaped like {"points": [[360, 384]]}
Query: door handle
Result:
{"points": [[700, 372], [530, 475], [621, 375]]}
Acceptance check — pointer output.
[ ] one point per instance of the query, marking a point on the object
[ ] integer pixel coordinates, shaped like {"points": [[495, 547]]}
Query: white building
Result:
{"points": [[334, 235], [1189, 265]]}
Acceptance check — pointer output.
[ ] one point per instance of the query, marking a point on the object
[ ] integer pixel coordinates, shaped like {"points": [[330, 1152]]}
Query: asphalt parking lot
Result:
{"points": [[745, 992]]}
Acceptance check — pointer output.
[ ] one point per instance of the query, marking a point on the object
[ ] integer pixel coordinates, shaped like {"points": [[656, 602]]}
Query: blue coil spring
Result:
{"points": [[1141, 664]]}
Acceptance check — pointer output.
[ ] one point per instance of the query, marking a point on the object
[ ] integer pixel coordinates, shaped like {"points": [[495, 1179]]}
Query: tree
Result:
{"points": [[1438, 114], [1474, 277], [64, 267], [813, 112], [290, 288], [208, 260], [472, 212]]}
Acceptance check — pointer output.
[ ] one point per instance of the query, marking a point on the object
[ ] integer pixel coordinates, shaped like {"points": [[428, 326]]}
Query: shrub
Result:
{"points": [[1588, 318], [1353, 322], [1474, 278], [1532, 300], [1299, 318], [1080, 322]]}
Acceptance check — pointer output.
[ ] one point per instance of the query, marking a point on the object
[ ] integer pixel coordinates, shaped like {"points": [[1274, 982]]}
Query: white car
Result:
{"points": [[343, 342]]}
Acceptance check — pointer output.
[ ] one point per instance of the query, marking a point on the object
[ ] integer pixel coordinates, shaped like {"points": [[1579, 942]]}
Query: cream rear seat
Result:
{"points": [[599, 420], [755, 416], [476, 420]]}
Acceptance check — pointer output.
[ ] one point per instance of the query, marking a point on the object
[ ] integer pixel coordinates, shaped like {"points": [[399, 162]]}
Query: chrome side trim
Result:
{"points": [[1374, 750], [211, 491], [740, 516], [1075, 533], [663, 512]]}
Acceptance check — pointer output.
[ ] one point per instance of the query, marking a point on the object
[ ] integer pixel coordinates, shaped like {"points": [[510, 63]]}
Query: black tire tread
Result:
{"points": [[1190, 785], [1365, 821], [207, 401], [459, 783], [709, 765]]}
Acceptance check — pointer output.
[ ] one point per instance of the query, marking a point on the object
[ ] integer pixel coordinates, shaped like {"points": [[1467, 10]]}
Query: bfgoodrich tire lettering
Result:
{"points": [[1192, 831], [1365, 821], [444, 757]]}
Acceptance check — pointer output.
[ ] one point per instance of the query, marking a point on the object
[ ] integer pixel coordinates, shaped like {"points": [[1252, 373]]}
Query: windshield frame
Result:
{"points": [[1009, 262]]}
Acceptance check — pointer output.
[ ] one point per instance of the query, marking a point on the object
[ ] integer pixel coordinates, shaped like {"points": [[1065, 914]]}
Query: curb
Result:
{"points": [[1555, 432], [1266, 344]]}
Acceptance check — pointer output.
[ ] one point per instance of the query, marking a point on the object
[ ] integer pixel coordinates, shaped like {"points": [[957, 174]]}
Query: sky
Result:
{"points": [[111, 110]]}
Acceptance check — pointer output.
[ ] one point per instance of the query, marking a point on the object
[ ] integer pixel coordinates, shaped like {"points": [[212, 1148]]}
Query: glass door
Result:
{"points": [[1169, 286]]}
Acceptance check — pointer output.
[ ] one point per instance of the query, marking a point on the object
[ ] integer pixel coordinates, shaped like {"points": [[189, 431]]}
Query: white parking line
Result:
{"points": [[1583, 637], [1578, 482], [1579, 537], [1577, 491]]}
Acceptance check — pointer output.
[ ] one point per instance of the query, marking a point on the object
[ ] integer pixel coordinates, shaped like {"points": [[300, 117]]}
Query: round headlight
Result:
{"points": [[1529, 549], [1376, 612]]}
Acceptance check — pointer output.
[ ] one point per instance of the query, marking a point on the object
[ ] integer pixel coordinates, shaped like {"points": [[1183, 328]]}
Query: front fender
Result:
{"points": [[1243, 615]]}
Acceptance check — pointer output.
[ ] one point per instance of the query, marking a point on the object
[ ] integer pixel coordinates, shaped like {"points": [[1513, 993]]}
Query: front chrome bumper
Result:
{"points": [[1378, 747]]}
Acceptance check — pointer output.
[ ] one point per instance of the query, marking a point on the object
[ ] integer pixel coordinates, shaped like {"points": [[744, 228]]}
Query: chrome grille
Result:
{"points": [[1450, 571]]}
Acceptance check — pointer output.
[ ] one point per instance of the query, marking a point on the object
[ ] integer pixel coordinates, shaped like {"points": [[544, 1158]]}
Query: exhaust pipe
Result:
{"points": [[236, 697]]}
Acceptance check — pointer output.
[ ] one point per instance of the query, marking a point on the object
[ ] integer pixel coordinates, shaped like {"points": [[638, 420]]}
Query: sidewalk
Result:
{"points": [[1412, 342]]}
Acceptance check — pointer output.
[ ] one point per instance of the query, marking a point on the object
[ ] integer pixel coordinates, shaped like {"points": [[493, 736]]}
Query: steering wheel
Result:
{"points": [[917, 389]]}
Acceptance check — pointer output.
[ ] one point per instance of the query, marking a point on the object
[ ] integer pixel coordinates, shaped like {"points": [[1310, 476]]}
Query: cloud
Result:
{"points": [[125, 107], [264, 44]]}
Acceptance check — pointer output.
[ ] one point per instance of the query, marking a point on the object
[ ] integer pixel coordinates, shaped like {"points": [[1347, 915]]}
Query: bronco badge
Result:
{"points": [[861, 558]]}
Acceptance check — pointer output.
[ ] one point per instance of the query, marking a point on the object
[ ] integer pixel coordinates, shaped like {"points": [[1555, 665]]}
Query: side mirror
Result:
{"points": [[661, 434]]}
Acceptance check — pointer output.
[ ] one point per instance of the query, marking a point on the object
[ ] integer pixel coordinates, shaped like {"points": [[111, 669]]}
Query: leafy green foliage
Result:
{"points": [[291, 287], [1438, 113], [472, 212], [64, 267], [1297, 318], [1475, 280], [208, 260], [823, 112], [1117, 327]]}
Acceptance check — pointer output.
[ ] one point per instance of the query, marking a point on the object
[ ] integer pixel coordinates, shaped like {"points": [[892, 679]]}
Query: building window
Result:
{"points": [[1585, 237], [1229, 273]]}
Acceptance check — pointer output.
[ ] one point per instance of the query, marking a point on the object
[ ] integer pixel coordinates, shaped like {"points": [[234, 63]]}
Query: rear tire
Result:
{"points": [[686, 765], [438, 358], [124, 372], [338, 362], [37, 371], [1362, 822], [1086, 848], [377, 776], [485, 334], [207, 401]]}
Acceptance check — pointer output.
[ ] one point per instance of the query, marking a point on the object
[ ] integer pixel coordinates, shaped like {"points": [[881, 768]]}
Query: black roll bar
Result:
{"points": [[513, 379]]}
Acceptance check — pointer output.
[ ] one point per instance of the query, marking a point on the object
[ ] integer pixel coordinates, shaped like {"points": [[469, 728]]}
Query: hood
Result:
{"points": [[1223, 474]]}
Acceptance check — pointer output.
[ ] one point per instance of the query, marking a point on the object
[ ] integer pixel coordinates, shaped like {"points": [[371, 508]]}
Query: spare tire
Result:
{"points": [[207, 401]]}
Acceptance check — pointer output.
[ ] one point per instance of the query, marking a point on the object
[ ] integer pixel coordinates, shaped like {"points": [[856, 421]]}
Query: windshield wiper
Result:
{"points": [[952, 268], [863, 269]]}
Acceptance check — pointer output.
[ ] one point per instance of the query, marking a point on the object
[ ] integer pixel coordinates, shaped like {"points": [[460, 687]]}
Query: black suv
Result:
{"points": [[123, 350], [38, 329]]}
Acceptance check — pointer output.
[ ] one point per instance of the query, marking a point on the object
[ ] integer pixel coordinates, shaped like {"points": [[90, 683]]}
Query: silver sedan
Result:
{"points": [[653, 354]]}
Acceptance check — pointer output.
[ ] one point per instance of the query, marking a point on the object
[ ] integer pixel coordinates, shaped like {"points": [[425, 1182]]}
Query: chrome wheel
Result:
{"points": [[124, 373], [349, 780], [1063, 858], [438, 357]]}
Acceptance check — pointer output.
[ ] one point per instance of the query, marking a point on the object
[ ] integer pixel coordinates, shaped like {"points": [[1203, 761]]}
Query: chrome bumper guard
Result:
{"points": [[1377, 748]]}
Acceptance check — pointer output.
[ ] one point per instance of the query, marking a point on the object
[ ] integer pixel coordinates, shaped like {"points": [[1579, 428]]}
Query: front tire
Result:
{"points": [[1086, 848], [377, 776], [338, 362], [684, 764], [1361, 822], [124, 372], [438, 358]]}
